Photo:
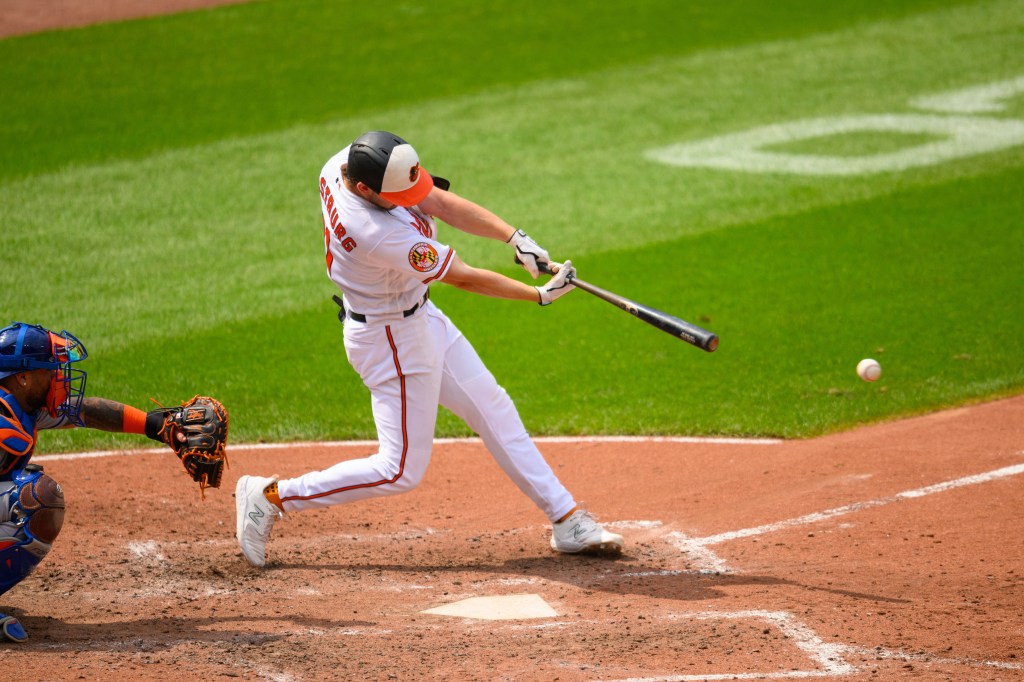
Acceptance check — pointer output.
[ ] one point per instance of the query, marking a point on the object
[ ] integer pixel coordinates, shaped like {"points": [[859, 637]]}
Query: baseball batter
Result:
{"points": [[383, 253]]}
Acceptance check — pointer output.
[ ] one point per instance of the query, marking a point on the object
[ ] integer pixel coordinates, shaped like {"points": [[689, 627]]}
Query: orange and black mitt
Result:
{"points": [[203, 422]]}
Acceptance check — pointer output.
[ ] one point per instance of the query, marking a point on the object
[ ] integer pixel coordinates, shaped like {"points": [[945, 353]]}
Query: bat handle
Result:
{"points": [[543, 267]]}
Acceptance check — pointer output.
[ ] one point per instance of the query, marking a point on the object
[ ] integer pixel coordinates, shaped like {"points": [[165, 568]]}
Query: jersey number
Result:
{"points": [[337, 228], [347, 243]]}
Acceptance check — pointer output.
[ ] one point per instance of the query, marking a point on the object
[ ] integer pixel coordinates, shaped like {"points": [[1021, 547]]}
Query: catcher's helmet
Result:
{"points": [[25, 347]]}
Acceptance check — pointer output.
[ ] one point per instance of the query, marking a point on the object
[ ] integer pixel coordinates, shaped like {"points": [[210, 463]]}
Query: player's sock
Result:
{"points": [[568, 514], [271, 492]]}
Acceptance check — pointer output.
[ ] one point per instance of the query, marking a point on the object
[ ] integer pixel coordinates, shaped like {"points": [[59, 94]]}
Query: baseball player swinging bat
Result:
{"points": [[690, 333]]}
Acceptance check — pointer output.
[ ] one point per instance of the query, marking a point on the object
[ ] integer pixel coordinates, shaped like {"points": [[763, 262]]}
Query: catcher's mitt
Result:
{"points": [[204, 423]]}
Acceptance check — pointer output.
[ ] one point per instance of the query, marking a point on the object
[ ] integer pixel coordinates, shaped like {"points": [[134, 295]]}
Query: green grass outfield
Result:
{"points": [[158, 199]]}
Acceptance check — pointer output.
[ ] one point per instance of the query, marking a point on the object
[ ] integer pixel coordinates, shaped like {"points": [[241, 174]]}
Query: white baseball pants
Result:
{"points": [[410, 366]]}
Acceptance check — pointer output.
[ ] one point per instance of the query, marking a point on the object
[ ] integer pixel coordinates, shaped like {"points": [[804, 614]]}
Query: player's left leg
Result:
{"points": [[470, 391]]}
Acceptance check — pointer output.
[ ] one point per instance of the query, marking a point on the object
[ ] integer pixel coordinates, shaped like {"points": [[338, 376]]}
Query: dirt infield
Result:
{"points": [[18, 17], [889, 552]]}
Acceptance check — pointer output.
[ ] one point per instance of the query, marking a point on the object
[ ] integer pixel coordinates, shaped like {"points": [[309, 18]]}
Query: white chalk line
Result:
{"points": [[245, 447], [697, 548], [827, 656], [148, 551], [883, 653]]}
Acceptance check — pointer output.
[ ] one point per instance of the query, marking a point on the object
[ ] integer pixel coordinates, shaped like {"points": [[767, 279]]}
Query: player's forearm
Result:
{"points": [[103, 414], [110, 415], [467, 216], [489, 283]]}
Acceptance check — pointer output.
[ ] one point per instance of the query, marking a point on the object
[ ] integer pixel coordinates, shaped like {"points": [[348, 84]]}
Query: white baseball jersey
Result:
{"points": [[381, 261]]}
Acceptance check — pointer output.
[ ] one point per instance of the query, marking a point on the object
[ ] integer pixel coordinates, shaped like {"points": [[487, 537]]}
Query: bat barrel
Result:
{"points": [[670, 324]]}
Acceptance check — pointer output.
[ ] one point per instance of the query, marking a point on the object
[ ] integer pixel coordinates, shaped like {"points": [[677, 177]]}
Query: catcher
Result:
{"points": [[39, 389]]}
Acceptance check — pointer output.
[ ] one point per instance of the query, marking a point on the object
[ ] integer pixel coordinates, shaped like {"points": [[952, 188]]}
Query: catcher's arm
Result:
{"points": [[109, 415]]}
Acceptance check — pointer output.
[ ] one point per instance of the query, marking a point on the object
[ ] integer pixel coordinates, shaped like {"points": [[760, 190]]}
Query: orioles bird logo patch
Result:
{"points": [[414, 173], [423, 257]]}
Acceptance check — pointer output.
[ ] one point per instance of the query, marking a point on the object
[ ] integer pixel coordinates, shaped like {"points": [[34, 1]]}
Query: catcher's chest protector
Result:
{"points": [[17, 434]]}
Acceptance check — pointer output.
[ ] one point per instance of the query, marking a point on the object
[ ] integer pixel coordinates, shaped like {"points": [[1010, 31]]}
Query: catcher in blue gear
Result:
{"points": [[40, 389]]}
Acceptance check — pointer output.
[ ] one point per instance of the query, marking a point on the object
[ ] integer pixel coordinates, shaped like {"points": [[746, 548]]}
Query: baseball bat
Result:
{"points": [[670, 324]]}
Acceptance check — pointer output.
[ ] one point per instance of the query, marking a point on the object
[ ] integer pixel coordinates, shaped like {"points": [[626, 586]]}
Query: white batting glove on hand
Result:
{"points": [[559, 284], [528, 252]]}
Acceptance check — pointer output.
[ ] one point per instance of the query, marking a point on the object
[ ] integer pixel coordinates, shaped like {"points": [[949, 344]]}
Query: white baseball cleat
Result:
{"points": [[255, 516], [581, 534]]}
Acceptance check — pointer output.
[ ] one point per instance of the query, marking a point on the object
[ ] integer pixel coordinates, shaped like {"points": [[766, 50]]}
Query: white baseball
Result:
{"points": [[868, 369]]}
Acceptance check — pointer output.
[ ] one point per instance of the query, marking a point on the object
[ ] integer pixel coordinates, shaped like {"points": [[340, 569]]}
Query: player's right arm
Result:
{"points": [[466, 215], [472, 218]]}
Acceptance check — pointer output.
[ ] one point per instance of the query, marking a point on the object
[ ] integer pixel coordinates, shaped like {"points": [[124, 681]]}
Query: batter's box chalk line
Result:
{"points": [[696, 548], [826, 657]]}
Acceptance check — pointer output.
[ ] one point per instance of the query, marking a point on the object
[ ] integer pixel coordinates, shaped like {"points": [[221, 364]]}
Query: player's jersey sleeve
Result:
{"points": [[413, 255], [45, 421]]}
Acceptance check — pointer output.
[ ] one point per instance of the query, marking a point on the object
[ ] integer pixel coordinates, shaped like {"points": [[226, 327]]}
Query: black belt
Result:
{"points": [[359, 317]]}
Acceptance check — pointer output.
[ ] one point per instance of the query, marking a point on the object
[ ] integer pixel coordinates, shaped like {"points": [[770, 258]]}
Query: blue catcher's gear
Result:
{"points": [[10, 627], [25, 347], [31, 516], [17, 434]]}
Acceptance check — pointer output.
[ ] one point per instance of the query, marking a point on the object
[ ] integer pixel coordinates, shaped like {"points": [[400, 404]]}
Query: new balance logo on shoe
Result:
{"points": [[255, 517], [581, 534]]}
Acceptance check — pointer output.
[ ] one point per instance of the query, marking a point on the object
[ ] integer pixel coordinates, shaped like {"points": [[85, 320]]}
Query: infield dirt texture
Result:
{"points": [[889, 552], [844, 187]]}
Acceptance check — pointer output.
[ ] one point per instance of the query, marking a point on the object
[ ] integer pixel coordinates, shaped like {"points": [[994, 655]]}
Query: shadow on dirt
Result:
{"points": [[159, 634], [616, 576]]}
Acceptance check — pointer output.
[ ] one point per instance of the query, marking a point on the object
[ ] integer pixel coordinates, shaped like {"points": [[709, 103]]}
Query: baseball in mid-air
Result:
{"points": [[868, 369]]}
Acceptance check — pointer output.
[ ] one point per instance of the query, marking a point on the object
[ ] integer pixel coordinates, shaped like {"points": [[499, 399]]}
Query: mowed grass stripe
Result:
{"points": [[130, 89], [561, 158], [797, 302]]}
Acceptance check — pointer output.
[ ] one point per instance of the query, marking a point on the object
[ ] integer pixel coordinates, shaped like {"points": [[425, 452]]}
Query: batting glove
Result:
{"points": [[559, 285], [528, 252]]}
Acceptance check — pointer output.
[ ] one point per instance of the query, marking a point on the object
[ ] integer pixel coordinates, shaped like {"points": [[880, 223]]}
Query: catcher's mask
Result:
{"points": [[25, 347]]}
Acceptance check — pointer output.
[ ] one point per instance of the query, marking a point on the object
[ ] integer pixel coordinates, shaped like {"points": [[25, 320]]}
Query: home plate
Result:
{"points": [[507, 607]]}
